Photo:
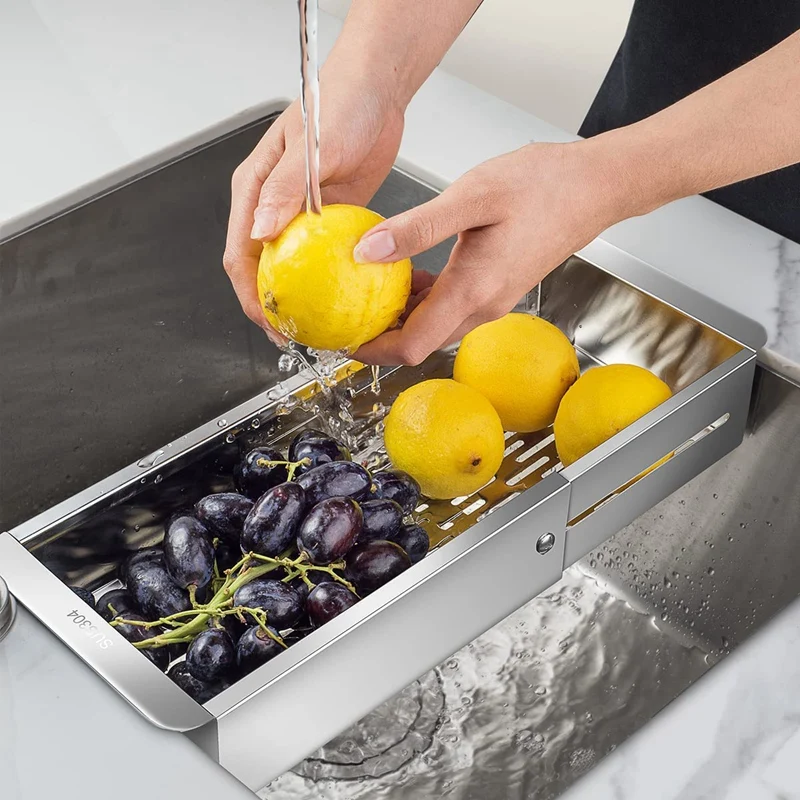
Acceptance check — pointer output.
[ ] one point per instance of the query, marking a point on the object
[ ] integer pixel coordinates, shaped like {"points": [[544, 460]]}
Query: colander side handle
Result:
{"points": [[94, 641]]}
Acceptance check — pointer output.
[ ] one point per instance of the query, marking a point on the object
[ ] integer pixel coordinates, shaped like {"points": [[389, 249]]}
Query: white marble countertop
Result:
{"points": [[94, 87]]}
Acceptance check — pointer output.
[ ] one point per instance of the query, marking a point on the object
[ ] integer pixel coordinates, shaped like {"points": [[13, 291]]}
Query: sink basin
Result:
{"points": [[532, 703]]}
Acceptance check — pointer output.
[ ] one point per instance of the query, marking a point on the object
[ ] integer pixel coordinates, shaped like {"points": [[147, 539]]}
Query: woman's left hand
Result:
{"points": [[517, 218]]}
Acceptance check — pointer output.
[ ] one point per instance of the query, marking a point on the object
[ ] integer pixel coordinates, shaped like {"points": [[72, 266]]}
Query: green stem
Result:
{"points": [[292, 466], [239, 575]]}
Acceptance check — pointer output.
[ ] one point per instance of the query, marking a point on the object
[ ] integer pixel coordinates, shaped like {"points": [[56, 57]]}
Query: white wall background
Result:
{"points": [[544, 56]]}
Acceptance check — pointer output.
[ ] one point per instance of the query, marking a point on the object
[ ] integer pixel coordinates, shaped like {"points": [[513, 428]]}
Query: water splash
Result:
{"points": [[504, 726]]}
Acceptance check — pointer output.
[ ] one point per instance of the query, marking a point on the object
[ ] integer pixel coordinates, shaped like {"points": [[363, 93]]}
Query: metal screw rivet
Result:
{"points": [[546, 543]]}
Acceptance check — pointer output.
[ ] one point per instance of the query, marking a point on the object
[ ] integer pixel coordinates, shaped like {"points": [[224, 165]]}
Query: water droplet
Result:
{"points": [[667, 582], [664, 617], [221, 423], [276, 393], [452, 664], [286, 363], [715, 496], [522, 737], [158, 479], [710, 570], [540, 691], [137, 527]]}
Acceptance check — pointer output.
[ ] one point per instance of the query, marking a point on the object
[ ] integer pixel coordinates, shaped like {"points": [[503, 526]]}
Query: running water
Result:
{"points": [[309, 100], [321, 365]]}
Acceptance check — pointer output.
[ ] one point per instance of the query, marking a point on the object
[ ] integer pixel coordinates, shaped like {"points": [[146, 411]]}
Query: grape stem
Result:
{"points": [[292, 466], [185, 625], [297, 567]]}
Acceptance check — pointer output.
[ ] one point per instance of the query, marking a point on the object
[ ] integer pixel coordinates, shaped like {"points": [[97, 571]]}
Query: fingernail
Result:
{"points": [[266, 220], [378, 246]]}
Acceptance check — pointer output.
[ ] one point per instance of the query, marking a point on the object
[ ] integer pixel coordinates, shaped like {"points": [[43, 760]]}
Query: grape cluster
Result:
{"points": [[242, 575]]}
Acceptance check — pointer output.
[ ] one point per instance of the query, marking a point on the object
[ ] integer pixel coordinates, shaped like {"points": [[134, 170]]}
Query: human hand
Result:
{"points": [[517, 218], [360, 132]]}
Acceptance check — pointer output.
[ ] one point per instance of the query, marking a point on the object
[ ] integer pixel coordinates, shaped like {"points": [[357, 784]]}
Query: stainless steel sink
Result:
{"points": [[532, 704], [529, 705]]}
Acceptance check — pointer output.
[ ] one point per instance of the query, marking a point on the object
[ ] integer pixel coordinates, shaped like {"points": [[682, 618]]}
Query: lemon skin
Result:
{"points": [[523, 365], [447, 436], [313, 291], [602, 402]]}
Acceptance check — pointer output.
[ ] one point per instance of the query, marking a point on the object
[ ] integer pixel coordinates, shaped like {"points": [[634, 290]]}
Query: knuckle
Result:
{"points": [[239, 175], [280, 188], [421, 230], [230, 261], [412, 354]]}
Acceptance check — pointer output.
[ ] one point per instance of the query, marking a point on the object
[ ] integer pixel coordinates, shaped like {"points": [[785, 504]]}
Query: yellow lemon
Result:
{"points": [[314, 292], [523, 365], [446, 436], [601, 403]]}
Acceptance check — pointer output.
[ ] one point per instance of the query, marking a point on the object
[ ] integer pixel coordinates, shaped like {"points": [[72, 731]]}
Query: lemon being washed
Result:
{"points": [[314, 292], [446, 436]]}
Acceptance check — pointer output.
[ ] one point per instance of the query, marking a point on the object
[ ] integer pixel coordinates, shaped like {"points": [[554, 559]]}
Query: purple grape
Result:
{"points": [[283, 605], [227, 555], [138, 633], [200, 691], [398, 486], [336, 479], [148, 554], [253, 479], [188, 552], [231, 624], [272, 524], [224, 514], [382, 519], [120, 600], [330, 530], [154, 591], [371, 564], [414, 540], [211, 656], [327, 601], [254, 649], [318, 448]]}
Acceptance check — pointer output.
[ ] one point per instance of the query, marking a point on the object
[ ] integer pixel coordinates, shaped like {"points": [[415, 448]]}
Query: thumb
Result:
{"points": [[458, 208], [282, 196]]}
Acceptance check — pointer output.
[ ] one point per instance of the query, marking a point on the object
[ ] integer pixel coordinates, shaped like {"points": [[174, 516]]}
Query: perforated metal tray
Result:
{"points": [[493, 551]]}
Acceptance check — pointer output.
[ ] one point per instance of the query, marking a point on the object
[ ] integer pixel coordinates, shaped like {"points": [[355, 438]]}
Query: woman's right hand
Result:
{"points": [[360, 132]]}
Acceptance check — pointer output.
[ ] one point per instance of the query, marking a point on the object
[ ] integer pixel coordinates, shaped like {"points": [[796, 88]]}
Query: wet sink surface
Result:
{"points": [[532, 704]]}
